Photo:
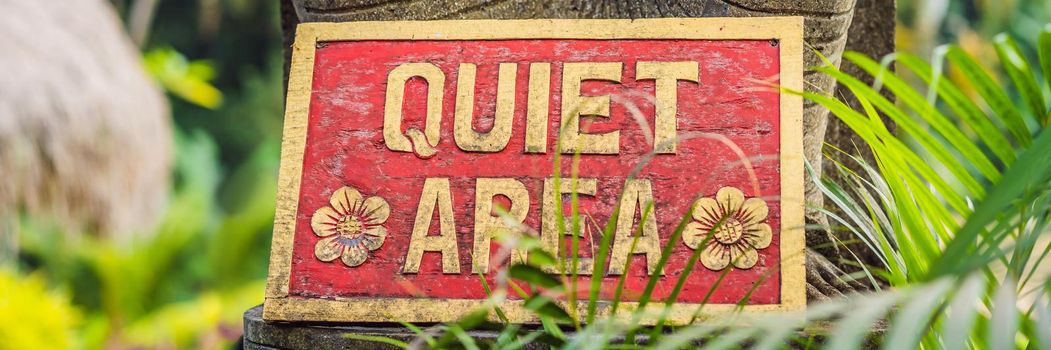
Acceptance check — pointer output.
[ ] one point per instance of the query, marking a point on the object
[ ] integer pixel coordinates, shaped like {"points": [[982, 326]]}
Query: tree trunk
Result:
{"points": [[827, 23], [871, 33]]}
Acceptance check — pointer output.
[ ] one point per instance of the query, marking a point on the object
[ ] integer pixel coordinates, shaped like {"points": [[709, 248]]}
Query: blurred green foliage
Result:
{"points": [[242, 41], [973, 25], [186, 283], [925, 24], [188, 80]]}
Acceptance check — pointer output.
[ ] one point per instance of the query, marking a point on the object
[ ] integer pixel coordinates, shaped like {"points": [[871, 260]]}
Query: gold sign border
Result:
{"points": [[278, 305]]}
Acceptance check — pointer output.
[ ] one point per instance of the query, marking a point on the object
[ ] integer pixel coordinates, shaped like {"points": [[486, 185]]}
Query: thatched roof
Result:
{"points": [[84, 133]]}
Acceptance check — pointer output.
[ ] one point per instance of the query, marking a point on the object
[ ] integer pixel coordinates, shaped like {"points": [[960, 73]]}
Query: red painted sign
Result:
{"points": [[409, 147]]}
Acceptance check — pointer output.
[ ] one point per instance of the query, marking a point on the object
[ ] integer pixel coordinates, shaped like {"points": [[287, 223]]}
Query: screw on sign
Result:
{"points": [[409, 145]]}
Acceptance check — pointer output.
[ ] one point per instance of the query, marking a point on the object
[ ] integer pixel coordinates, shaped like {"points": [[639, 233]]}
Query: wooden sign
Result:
{"points": [[402, 138]]}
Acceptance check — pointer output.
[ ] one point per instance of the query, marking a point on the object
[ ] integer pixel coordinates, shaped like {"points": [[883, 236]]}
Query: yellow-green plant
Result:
{"points": [[184, 78], [32, 316], [197, 273]]}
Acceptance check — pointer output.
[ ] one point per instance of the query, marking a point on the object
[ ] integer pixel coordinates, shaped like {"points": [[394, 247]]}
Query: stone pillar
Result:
{"points": [[831, 26]]}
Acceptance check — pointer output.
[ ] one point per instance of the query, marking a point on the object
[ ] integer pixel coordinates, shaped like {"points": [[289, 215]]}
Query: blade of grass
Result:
{"points": [[963, 107], [684, 338], [956, 329], [708, 295], [619, 289], [1043, 48], [1031, 172], [896, 155], [471, 320], [751, 290], [489, 294], [991, 92], [377, 339], [857, 324], [534, 276], [597, 270], [1043, 322], [1014, 63], [673, 240], [928, 113], [731, 339], [504, 338], [1003, 325], [657, 274], [853, 211], [909, 324], [551, 328], [686, 270], [574, 240], [524, 340], [466, 340]]}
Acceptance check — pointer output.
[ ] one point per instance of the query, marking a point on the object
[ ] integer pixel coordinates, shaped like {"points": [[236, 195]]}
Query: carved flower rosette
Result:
{"points": [[730, 228], [350, 227]]}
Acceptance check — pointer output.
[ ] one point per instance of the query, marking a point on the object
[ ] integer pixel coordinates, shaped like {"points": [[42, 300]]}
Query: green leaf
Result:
{"points": [[534, 276], [545, 306], [912, 320], [1003, 326], [553, 338], [887, 145], [1043, 321], [420, 333], [963, 107], [851, 331], [471, 320], [1032, 171], [963, 310], [529, 338], [683, 338], [489, 294], [377, 339], [894, 156], [465, 339], [991, 92], [185, 79], [876, 229], [1014, 63], [674, 240], [931, 115], [1043, 49], [597, 269], [1026, 238], [541, 258], [733, 338]]}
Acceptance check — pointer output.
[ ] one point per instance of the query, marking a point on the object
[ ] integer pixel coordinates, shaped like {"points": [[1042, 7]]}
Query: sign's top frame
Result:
{"points": [[788, 31], [754, 28]]}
